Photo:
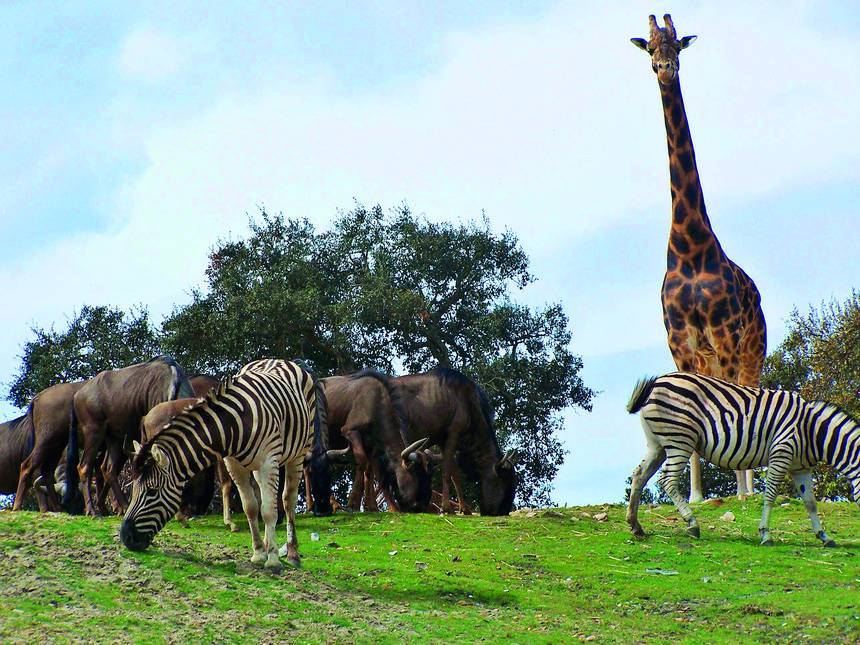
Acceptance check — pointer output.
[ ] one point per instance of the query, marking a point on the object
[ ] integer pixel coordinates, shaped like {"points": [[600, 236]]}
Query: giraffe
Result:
{"points": [[711, 307]]}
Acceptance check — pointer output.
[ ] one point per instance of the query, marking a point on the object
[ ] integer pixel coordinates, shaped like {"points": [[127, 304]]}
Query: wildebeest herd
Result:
{"points": [[255, 422]]}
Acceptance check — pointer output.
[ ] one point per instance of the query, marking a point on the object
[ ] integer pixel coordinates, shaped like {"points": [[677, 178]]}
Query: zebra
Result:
{"points": [[261, 418], [738, 427]]}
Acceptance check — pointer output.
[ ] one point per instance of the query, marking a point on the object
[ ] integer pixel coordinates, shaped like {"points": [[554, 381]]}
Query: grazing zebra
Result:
{"points": [[739, 427], [258, 420]]}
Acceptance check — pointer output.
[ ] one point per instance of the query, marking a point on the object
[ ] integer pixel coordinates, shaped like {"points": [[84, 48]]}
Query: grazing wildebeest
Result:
{"points": [[16, 442], [258, 420], [453, 412], [364, 409], [49, 414], [107, 410]]}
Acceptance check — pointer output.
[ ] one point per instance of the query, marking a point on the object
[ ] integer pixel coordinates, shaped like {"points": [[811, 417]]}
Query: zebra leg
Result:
{"points": [[803, 485], [249, 502], [654, 458], [777, 466], [267, 479], [676, 459], [293, 474], [696, 495]]}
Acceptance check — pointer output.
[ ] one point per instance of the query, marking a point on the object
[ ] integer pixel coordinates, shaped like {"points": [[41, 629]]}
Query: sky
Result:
{"points": [[137, 135]]}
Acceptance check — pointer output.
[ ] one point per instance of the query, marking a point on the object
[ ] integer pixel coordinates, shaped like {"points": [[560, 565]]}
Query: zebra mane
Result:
{"points": [[142, 458]]}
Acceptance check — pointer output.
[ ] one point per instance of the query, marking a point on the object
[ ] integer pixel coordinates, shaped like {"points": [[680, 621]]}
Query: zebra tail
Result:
{"points": [[640, 394], [71, 498]]}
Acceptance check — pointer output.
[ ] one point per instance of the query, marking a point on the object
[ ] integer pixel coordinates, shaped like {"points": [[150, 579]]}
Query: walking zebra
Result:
{"points": [[263, 417], [739, 427]]}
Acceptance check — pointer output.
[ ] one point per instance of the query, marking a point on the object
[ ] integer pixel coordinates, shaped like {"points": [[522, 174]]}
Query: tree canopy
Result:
{"points": [[389, 291], [96, 339]]}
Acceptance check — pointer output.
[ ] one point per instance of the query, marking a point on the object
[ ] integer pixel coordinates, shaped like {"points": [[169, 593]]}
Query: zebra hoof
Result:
{"points": [[830, 544], [274, 567], [295, 563], [233, 528], [693, 531], [766, 542]]}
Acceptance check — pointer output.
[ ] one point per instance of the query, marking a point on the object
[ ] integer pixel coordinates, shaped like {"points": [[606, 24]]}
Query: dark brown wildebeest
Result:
{"points": [[49, 414], [364, 409], [16, 442], [107, 410], [453, 412]]}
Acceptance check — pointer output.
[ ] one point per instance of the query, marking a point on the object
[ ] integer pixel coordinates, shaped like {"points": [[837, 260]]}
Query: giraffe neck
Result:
{"points": [[691, 232]]}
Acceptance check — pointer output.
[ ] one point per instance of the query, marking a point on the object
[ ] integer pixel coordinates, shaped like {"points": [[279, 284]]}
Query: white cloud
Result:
{"points": [[150, 55]]}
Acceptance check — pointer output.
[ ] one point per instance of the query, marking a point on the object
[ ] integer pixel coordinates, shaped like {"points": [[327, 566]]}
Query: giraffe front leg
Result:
{"points": [[267, 479], [291, 492], [803, 485], [675, 461]]}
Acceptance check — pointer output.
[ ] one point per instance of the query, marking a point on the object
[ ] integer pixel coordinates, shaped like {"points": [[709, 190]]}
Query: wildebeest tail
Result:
{"points": [[320, 469], [71, 502], [640, 394], [31, 436]]}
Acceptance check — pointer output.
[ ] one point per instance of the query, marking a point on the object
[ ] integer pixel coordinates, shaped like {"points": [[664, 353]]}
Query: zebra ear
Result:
{"points": [[136, 446], [160, 457]]}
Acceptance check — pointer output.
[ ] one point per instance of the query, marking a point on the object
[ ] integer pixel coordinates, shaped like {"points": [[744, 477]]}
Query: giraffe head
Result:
{"points": [[663, 46]]}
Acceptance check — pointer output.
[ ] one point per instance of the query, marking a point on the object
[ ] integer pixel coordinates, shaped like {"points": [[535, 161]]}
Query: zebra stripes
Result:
{"points": [[258, 420], [739, 427]]}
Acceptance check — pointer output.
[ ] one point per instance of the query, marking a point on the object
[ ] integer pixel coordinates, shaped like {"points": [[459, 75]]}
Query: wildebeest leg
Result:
{"points": [[267, 480], [390, 502], [226, 487], [458, 488], [361, 469], [23, 480], [309, 498], [111, 467], [355, 494], [242, 478], [291, 492], [370, 505], [85, 471], [447, 471]]}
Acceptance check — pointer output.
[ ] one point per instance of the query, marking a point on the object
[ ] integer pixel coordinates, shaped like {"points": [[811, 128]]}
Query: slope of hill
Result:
{"points": [[556, 575]]}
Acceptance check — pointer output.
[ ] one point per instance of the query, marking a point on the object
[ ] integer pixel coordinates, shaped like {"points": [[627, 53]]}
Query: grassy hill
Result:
{"points": [[555, 576]]}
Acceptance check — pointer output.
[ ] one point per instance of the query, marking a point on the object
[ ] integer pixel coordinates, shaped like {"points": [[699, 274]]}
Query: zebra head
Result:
{"points": [[156, 494]]}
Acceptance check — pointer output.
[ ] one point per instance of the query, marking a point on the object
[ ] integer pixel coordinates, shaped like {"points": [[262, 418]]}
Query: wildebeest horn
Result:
{"points": [[508, 460], [433, 456], [337, 454], [41, 488], [418, 445]]}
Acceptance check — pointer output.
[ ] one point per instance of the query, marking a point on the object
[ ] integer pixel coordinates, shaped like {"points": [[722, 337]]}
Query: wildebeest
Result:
{"points": [[107, 410], [453, 411], [16, 442], [49, 414], [262, 418], [364, 409]]}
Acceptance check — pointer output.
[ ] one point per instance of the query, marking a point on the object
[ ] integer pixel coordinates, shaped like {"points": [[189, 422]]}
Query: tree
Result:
{"points": [[379, 291], [96, 339], [820, 358]]}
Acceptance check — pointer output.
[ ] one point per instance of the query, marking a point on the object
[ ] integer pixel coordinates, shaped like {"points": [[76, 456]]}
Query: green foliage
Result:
{"points": [[383, 291], [558, 576], [96, 339], [820, 358]]}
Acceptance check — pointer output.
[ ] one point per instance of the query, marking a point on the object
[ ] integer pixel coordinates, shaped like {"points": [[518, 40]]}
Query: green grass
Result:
{"points": [[554, 577]]}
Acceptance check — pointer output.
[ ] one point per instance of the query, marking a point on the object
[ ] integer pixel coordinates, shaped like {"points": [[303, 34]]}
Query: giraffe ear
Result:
{"points": [[686, 41], [641, 43]]}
